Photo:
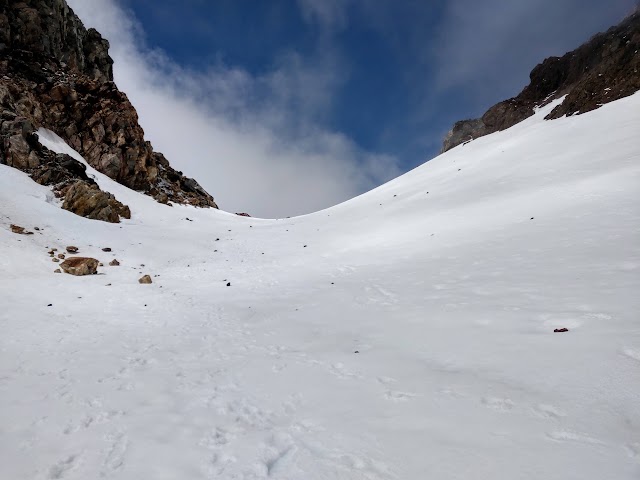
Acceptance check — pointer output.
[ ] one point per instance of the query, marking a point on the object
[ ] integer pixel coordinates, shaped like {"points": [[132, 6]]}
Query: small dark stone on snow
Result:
{"points": [[228, 284], [561, 330], [356, 351], [532, 218], [50, 305], [106, 249], [304, 246]]}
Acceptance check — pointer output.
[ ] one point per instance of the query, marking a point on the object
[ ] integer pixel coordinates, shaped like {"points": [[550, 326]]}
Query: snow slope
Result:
{"points": [[405, 334]]}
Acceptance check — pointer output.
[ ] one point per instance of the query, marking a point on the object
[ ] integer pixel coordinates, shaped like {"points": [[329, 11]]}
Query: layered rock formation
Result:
{"points": [[56, 74], [604, 69]]}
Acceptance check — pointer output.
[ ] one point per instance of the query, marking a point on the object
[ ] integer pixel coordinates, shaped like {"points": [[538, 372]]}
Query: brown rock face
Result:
{"points": [[604, 69], [56, 74], [89, 201], [80, 266]]}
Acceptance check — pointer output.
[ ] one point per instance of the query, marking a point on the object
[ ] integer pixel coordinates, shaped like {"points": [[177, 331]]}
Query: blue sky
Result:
{"points": [[367, 88]]}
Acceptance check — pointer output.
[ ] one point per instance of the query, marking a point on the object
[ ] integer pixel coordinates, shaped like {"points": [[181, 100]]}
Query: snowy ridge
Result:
{"points": [[449, 298]]}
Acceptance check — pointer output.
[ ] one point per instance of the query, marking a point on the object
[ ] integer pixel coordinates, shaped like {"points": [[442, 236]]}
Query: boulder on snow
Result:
{"points": [[114, 263], [145, 279], [87, 200], [80, 266], [72, 249], [20, 230]]}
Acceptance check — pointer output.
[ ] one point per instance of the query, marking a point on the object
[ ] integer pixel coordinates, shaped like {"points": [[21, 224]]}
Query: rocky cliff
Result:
{"points": [[604, 69], [54, 73]]}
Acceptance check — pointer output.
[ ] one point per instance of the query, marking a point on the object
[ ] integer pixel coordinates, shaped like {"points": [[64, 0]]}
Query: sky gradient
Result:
{"points": [[285, 107]]}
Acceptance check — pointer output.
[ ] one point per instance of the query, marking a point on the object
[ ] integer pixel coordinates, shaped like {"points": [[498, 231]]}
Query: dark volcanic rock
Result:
{"points": [[54, 73], [604, 69]]}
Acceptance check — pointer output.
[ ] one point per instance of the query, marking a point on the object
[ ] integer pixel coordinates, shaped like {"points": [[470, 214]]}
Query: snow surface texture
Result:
{"points": [[405, 334]]}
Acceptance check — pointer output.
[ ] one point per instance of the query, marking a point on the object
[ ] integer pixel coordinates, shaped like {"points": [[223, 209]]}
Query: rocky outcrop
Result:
{"points": [[604, 69], [54, 73], [87, 200]]}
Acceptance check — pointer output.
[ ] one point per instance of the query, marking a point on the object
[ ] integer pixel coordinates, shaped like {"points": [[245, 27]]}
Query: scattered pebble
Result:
{"points": [[561, 330]]}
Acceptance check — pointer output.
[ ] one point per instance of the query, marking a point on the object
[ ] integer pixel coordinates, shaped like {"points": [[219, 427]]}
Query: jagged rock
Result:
{"points": [[87, 200], [72, 249], [114, 263], [146, 279], [604, 69], [80, 266], [57, 270], [54, 73]]}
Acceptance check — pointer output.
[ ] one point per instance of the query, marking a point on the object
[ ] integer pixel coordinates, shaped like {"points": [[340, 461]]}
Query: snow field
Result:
{"points": [[449, 297]]}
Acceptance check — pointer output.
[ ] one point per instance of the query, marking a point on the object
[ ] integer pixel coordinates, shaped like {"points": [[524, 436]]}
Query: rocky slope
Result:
{"points": [[604, 69], [56, 74]]}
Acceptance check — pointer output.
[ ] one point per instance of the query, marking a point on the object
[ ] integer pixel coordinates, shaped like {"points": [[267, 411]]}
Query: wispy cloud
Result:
{"points": [[328, 14], [255, 142]]}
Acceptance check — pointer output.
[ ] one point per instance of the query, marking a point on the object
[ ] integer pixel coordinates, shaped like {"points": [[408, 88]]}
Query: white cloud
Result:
{"points": [[256, 143]]}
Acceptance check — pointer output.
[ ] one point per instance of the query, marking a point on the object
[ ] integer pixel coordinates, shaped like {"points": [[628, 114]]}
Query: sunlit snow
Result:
{"points": [[405, 334]]}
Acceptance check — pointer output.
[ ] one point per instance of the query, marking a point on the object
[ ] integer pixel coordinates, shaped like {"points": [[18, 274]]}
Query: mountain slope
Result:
{"points": [[602, 70], [56, 74], [407, 333]]}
